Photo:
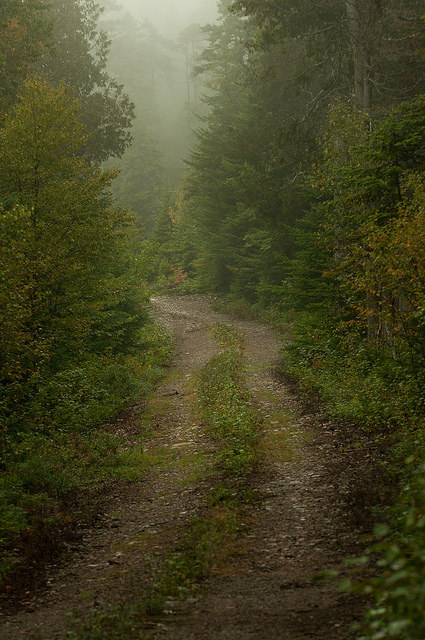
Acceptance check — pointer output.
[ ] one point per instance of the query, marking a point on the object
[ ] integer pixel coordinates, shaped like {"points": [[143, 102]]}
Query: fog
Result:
{"points": [[154, 51], [171, 16]]}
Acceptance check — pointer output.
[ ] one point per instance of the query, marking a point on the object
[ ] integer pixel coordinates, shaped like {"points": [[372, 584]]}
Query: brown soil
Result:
{"points": [[315, 486]]}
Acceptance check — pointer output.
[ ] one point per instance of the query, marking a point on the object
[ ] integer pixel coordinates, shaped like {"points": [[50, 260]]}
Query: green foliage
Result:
{"points": [[63, 41], [372, 208], [25, 34], [72, 286], [371, 388], [79, 397], [366, 359], [399, 589], [225, 407], [53, 445], [44, 473], [242, 191], [344, 46], [113, 625]]}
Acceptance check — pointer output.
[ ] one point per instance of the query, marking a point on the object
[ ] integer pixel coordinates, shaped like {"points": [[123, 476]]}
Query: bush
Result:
{"points": [[53, 446], [399, 553]]}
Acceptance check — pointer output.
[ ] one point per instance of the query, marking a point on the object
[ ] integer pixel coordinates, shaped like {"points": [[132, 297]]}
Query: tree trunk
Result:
{"points": [[361, 57]]}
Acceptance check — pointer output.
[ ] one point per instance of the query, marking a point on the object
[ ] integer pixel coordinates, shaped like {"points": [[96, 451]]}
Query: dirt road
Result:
{"points": [[314, 487]]}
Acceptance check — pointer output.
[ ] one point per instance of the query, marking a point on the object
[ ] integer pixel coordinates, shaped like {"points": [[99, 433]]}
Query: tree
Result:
{"points": [[72, 285], [79, 58], [365, 48], [190, 40], [25, 34], [237, 202], [141, 182], [371, 203]]}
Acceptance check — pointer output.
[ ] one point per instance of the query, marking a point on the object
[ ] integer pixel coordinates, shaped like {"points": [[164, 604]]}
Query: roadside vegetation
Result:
{"points": [[64, 448], [77, 345], [315, 215]]}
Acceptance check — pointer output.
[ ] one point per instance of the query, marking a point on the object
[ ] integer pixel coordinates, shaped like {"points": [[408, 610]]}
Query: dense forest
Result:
{"points": [[304, 196], [76, 342], [302, 125]]}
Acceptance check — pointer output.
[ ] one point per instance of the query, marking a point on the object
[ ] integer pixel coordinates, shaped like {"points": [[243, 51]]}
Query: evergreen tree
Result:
{"points": [[79, 58], [140, 186]]}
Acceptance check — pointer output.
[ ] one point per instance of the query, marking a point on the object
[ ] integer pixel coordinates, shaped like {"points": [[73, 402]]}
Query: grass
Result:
{"points": [[63, 451], [194, 467], [280, 446], [224, 406]]}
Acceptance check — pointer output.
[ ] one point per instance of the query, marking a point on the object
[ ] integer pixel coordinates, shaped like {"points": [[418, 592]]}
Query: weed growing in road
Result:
{"points": [[224, 404], [205, 546]]}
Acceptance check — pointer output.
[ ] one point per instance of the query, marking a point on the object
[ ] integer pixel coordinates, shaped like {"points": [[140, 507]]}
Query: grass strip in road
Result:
{"points": [[225, 404], [225, 408]]}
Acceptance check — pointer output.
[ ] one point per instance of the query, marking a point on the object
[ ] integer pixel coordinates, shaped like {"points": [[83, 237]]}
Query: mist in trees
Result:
{"points": [[154, 52], [271, 152], [170, 17]]}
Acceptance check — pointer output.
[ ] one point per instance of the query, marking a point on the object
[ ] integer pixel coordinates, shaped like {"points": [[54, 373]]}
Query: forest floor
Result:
{"points": [[307, 509]]}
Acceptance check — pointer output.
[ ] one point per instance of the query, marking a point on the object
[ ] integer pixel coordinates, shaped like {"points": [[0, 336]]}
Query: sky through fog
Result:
{"points": [[170, 16]]}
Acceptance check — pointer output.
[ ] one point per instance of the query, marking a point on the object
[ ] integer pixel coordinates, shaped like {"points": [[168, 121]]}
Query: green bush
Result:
{"points": [[398, 589], [53, 444], [353, 379], [371, 387]]}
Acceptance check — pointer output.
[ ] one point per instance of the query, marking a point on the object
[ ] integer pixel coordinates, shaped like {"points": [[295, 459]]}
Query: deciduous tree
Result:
{"points": [[25, 34], [71, 286]]}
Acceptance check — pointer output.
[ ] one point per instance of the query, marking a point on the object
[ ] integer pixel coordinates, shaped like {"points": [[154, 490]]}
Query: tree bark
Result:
{"points": [[361, 56]]}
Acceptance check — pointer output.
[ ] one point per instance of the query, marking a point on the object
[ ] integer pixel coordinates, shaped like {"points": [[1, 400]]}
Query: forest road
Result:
{"points": [[314, 486]]}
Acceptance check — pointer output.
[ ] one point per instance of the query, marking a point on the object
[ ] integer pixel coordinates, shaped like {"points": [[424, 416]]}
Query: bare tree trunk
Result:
{"points": [[363, 96], [354, 29]]}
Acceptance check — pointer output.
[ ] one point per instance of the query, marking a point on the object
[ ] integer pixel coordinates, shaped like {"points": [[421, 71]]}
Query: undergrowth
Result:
{"points": [[55, 447], [397, 557], [373, 388]]}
